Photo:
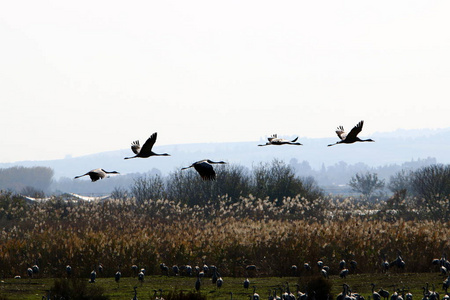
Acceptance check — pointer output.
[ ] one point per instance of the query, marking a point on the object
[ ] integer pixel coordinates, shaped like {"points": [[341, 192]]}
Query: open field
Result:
{"points": [[273, 236], [360, 283]]}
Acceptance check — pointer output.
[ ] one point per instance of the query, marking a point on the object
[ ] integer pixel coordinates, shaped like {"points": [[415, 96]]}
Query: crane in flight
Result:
{"points": [[275, 140], [352, 136], [146, 150], [205, 169], [97, 174]]}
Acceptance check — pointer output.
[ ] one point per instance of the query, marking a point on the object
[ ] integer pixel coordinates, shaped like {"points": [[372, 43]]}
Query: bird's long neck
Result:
{"points": [[161, 154]]}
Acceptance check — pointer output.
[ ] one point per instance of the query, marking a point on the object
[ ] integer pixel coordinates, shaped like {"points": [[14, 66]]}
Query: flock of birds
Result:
{"points": [[204, 167], [285, 293]]}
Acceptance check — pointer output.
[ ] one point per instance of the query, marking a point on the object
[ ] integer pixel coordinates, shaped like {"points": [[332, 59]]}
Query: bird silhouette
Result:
{"points": [[97, 174], [146, 150], [205, 168], [275, 140], [117, 276], [351, 137], [198, 283], [68, 270], [135, 293]]}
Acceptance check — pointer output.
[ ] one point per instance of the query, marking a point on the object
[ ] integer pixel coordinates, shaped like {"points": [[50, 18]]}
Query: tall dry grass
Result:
{"points": [[272, 236]]}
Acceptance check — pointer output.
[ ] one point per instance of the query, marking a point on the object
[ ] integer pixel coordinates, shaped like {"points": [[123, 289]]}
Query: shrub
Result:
{"points": [[76, 289], [317, 285]]}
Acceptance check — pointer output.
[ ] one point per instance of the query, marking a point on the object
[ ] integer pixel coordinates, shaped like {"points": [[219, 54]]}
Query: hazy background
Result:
{"points": [[85, 77]]}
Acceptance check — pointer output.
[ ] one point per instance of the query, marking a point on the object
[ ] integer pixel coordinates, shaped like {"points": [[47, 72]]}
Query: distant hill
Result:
{"points": [[389, 148]]}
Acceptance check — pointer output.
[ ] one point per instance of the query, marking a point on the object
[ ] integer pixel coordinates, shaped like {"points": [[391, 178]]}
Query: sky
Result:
{"points": [[82, 77]]}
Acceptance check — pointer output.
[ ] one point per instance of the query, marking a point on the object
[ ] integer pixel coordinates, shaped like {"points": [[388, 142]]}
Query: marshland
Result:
{"points": [[230, 233]]}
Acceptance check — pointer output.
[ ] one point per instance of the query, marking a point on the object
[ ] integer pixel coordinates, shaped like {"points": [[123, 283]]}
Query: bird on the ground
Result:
{"points": [[246, 284], [383, 293], [385, 263], [146, 150], [375, 295], [205, 168], [352, 136], [93, 276], [97, 174], [164, 268], [141, 277], [68, 270], [343, 273], [117, 277], [134, 268], [353, 265], [219, 282], [176, 270], [197, 283], [307, 267], [342, 264], [135, 293], [255, 294], [275, 140]]}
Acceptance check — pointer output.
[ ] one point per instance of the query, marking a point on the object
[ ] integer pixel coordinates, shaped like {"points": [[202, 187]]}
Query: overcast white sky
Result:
{"points": [[80, 77]]}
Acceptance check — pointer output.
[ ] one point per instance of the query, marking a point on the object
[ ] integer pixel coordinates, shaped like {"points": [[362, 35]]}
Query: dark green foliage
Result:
{"points": [[317, 285], [77, 289]]}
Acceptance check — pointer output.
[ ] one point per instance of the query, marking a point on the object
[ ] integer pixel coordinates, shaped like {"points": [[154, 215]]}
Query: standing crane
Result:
{"points": [[146, 150], [117, 276], [352, 136]]}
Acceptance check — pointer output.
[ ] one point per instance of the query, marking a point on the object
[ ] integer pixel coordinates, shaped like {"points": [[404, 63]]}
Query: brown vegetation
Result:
{"points": [[270, 235]]}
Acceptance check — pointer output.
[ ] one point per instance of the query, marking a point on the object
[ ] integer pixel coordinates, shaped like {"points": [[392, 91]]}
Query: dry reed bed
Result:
{"points": [[272, 236]]}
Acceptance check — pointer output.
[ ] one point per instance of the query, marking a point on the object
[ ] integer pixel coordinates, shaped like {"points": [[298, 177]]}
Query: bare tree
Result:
{"points": [[278, 180], [366, 184], [119, 193], [145, 188], [431, 185]]}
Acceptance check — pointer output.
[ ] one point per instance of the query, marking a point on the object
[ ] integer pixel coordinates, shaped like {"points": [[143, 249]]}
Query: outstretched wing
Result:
{"points": [[135, 147], [205, 170], [274, 136], [355, 130], [80, 176], [148, 145], [95, 174], [341, 132]]}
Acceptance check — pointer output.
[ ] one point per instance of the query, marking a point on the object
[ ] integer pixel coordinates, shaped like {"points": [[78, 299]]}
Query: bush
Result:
{"points": [[366, 184], [432, 186], [317, 285], [76, 289]]}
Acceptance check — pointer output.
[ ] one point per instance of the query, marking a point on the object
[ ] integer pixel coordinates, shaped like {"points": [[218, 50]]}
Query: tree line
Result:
{"points": [[275, 180], [428, 186], [33, 182]]}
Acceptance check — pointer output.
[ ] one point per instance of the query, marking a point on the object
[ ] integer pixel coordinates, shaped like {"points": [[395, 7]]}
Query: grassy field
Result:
{"points": [[360, 283]]}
